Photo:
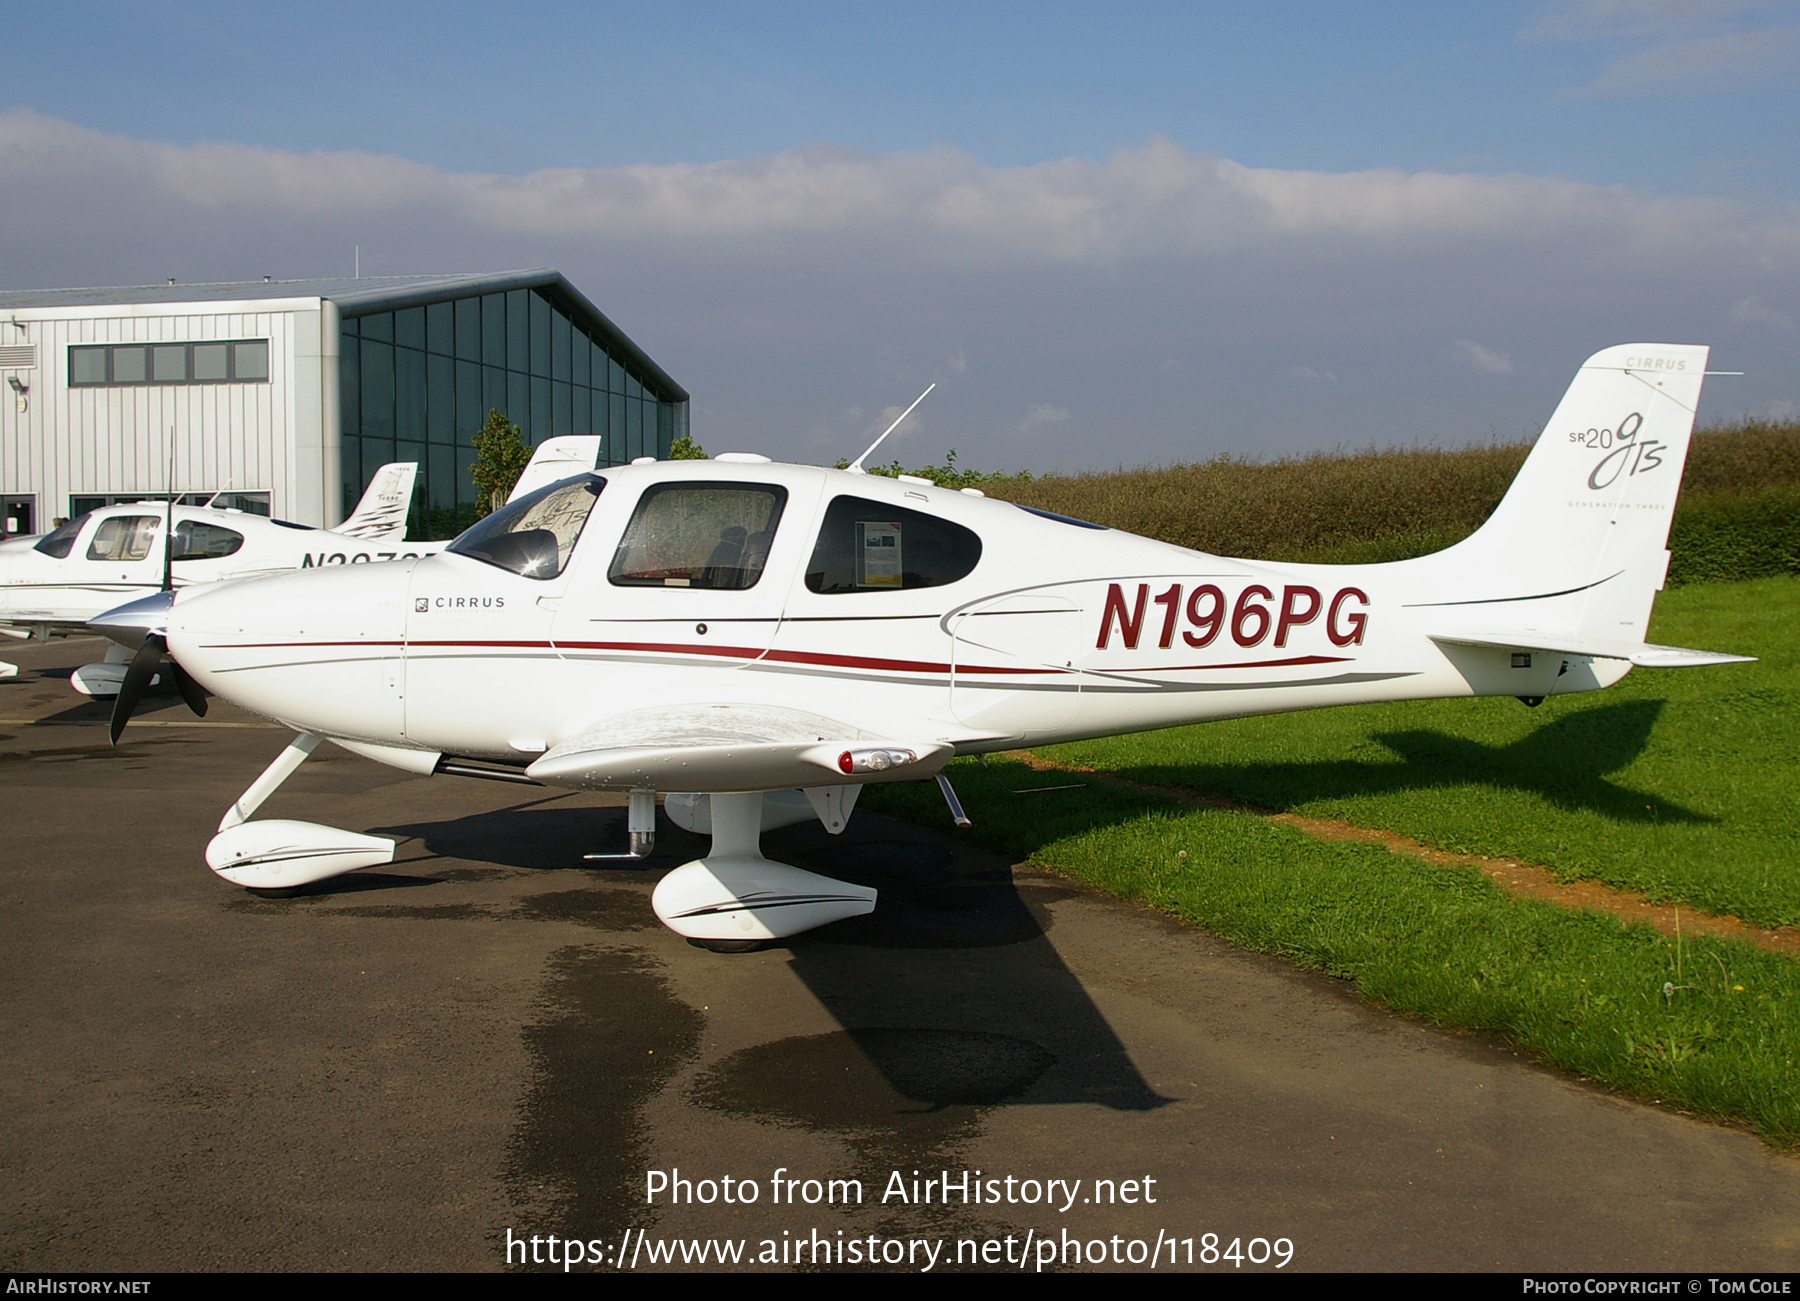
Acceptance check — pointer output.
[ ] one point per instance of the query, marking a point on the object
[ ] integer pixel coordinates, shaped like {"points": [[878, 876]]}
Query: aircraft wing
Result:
{"points": [[1640, 653], [726, 747]]}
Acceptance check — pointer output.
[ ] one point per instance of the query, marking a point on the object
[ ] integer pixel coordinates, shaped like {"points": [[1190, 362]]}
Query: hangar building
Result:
{"points": [[285, 396]]}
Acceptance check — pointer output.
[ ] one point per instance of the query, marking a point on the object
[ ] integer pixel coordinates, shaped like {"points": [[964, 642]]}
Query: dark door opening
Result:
{"points": [[17, 516]]}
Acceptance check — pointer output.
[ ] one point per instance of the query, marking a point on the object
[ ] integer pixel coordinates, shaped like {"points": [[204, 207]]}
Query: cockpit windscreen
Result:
{"points": [[534, 535]]}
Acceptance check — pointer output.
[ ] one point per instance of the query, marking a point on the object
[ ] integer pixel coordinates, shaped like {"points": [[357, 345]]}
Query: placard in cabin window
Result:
{"points": [[878, 561]]}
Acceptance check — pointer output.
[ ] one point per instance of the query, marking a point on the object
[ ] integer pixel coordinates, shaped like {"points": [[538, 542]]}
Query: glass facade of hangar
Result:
{"points": [[418, 383]]}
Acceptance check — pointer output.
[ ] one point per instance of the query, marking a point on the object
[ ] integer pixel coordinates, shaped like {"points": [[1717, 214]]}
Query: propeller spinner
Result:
{"points": [[140, 626]]}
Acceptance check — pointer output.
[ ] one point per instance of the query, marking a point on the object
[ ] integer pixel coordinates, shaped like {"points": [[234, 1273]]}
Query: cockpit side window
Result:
{"points": [[61, 541], [534, 535], [872, 546], [124, 537], [197, 541], [708, 535]]}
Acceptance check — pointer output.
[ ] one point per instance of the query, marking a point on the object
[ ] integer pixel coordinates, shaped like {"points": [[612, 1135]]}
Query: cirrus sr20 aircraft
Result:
{"points": [[57, 582], [759, 641]]}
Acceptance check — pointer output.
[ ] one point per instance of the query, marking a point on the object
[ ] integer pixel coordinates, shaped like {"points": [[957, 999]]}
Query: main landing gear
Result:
{"points": [[734, 899], [730, 901]]}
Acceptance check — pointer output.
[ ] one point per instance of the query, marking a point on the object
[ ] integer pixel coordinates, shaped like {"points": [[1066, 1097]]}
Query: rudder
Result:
{"points": [[381, 514], [1589, 511]]}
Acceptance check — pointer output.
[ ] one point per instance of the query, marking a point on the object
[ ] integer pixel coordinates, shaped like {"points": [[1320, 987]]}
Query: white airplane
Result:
{"points": [[57, 582], [762, 640]]}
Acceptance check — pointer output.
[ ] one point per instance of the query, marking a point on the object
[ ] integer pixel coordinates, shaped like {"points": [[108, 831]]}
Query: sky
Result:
{"points": [[1119, 234]]}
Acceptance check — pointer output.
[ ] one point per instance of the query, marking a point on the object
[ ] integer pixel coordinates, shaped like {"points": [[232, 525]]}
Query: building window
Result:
{"points": [[231, 361], [251, 503]]}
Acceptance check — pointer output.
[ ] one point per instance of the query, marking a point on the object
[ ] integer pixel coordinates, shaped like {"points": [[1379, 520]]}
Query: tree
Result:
{"points": [[686, 449], [501, 455]]}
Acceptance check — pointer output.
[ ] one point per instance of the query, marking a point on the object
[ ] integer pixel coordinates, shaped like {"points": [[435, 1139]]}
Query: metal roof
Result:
{"points": [[360, 296]]}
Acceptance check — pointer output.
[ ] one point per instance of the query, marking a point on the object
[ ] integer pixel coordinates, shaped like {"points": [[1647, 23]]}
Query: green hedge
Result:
{"points": [[1726, 536], [1738, 515]]}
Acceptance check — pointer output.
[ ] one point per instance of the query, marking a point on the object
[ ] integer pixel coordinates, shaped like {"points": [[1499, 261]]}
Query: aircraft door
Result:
{"points": [[480, 614], [1013, 654], [114, 562], [696, 578], [866, 612]]}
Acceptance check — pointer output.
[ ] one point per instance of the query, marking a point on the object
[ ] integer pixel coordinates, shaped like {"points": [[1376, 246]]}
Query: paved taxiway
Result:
{"points": [[394, 1069]]}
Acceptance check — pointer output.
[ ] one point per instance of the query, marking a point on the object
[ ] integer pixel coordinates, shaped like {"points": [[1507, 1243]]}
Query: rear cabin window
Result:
{"points": [[534, 535], [707, 535], [873, 546], [61, 541], [124, 537], [197, 541]]}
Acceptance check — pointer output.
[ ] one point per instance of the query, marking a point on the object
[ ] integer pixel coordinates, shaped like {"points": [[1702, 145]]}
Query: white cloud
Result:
{"points": [[1488, 361], [1311, 376], [1705, 63], [1586, 20], [1042, 414], [938, 206], [1753, 311], [786, 291], [901, 432], [1675, 45]]}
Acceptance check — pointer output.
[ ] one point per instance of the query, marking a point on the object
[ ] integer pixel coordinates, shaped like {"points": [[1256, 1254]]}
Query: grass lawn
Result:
{"points": [[1678, 783]]}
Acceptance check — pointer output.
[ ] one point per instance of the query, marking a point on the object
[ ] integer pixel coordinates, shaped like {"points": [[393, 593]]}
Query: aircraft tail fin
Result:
{"points": [[381, 514], [557, 458], [1586, 521]]}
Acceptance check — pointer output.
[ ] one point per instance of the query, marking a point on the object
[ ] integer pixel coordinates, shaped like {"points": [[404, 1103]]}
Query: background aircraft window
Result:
{"points": [[534, 535], [871, 546], [712, 535], [123, 537], [62, 540], [197, 541]]}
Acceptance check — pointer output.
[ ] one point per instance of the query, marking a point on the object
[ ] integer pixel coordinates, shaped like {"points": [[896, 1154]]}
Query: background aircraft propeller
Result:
{"points": [[154, 649], [138, 677]]}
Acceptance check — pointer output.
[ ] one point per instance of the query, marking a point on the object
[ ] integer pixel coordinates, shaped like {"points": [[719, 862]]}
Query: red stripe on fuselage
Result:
{"points": [[1247, 664], [785, 656]]}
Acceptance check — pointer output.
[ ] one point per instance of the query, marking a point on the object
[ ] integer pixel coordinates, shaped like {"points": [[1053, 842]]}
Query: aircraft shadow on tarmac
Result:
{"points": [[1564, 763], [951, 997]]}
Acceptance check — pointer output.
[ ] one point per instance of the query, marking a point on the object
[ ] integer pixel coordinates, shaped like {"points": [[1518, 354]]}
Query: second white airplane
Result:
{"points": [[57, 582], [731, 628]]}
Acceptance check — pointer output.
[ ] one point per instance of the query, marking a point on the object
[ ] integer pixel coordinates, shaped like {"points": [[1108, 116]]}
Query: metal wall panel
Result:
{"points": [[266, 437]]}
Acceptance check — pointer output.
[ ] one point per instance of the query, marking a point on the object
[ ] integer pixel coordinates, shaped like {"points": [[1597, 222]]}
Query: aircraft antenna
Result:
{"points": [[856, 466], [168, 583]]}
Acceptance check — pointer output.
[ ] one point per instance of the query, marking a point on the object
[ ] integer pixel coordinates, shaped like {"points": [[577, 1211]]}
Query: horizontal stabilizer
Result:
{"points": [[1640, 653], [731, 748]]}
